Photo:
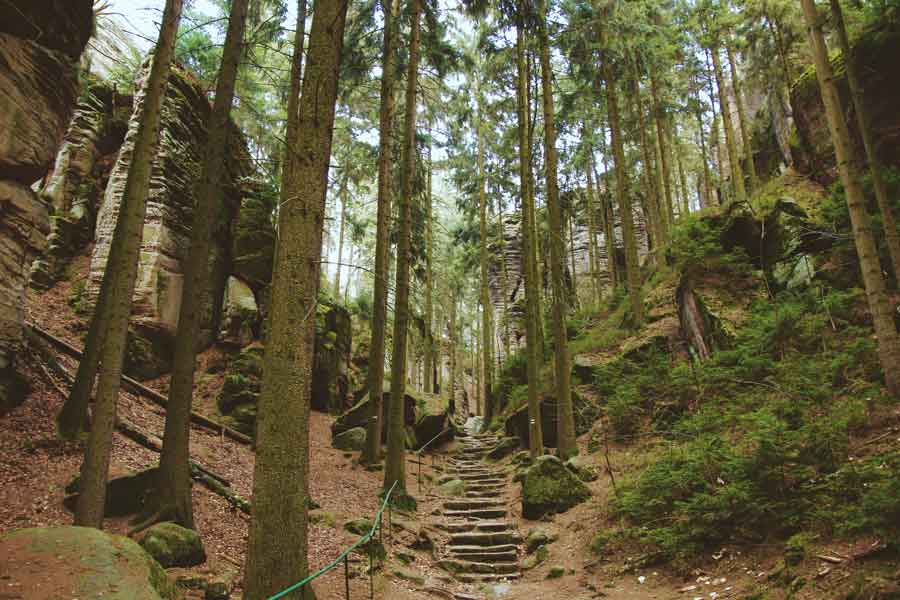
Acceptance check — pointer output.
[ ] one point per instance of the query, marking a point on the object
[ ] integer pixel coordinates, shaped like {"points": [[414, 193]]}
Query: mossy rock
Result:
{"points": [[173, 545], [147, 356], [538, 537], [556, 572], [548, 487], [538, 558], [352, 439], [322, 518], [582, 468], [82, 562], [358, 526], [409, 575], [453, 488], [504, 448]]}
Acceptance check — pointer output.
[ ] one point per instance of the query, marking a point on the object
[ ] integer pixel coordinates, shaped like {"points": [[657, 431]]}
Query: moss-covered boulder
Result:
{"points": [[80, 562], [453, 488], [538, 537], [548, 487], [240, 391], [352, 439], [173, 545], [358, 526], [331, 367], [504, 448]]}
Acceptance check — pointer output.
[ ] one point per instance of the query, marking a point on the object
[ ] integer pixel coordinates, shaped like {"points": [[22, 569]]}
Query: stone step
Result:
{"points": [[471, 504], [482, 485], [487, 538], [484, 494], [492, 477], [481, 525], [481, 513], [484, 555], [470, 567], [486, 577]]}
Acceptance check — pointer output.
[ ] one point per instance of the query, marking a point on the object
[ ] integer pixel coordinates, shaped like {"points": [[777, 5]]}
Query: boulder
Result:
{"points": [[358, 526], [170, 205], [352, 439], [240, 392], [538, 537], [585, 413], [40, 43], [331, 367], [126, 493], [358, 414], [80, 562], [548, 487], [240, 314], [504, 448], [453, 488], [173, 545], [582, 467]]}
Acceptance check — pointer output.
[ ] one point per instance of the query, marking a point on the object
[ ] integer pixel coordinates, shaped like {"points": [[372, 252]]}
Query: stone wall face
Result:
{"points": [[40, 44], [170, 205]]}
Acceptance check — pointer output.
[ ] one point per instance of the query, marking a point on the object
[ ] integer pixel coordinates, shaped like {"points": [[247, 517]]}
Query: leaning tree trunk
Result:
{"points": [[632, 266], [848, 166], [395, 464], [565, 425], [864, 123], [372, 451], [174, 477], [529, 272], [277, 545], [92, 498]]}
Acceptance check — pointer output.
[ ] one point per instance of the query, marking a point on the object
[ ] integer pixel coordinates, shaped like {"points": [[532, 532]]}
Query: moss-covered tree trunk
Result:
{"points": [[92, 498], [375, 377], [565, 425], [864, 123], [395, 463], [277, 546], [174, 477], [623, 199], [529, 270], [742, 120], [863, 234]]}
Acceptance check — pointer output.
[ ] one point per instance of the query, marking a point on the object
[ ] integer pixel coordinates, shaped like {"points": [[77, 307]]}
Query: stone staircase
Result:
{"points": [[483, 546]]}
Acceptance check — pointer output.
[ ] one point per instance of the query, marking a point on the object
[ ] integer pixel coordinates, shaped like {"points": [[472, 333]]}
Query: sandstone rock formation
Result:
{"points": [[166, 236], [40, 44]]}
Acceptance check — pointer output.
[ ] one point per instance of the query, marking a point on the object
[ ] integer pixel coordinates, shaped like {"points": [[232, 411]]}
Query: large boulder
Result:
{"points": [[358, 414], [548, 487], [585, 412], [45, 563], [173, 545], [40, 43], [331, 368], [240, 314], [352, 439], [170, 207], [240, 392], [126, 492]]}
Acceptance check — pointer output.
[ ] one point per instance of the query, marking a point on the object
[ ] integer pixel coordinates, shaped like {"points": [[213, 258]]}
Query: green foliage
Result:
{"points": [[599, 543], [77, 300], [759, 435], [697, 246], [512, 375]]}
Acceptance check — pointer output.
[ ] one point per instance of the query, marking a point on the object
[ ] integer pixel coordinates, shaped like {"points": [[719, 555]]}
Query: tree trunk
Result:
{"points": [[565, 425], [372, 451], [277, 545], [653, 177], [632, 266], [737, 176], [429, 284], [593, 251], [848, 166], [609, 221], [487, 313], [707, 184], [529, 272], [679, 150], [395, 465], [864, 124], [174, 476], [668, 210], [340, 248], [742, 119], [452, 350], [94, 470]]}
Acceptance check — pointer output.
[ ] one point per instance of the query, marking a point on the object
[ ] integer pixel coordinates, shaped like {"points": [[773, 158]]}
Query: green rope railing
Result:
{"points": [[343, 557]]}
